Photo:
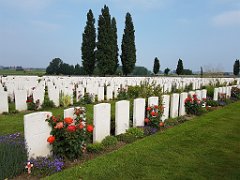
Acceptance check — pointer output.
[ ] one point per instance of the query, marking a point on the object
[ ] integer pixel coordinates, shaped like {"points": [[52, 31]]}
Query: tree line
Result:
{"points": [[100, 49]]}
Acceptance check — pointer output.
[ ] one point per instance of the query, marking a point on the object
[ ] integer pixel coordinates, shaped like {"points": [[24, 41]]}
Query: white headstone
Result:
{"points": [[36, 132], [174, 105], [215, 97], [4, 102], [69, 112], [199, 94], [79, 93], [204, 94], [53, 95], [182, 110], [100, 94], [165, 103], [102, 121], [121, 117], [139, 112], [20, 100], [109, 93], [152, 101]]}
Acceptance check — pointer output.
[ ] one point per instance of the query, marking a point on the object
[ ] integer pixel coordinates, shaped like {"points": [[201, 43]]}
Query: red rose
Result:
{"points": [[153, 113], [51, 139], [90, 128], [146, 120], [68, 120], [161, 124], [156, 107], [71, 128], [59, 125], [78, 112], [148, 108], [81, 126]]}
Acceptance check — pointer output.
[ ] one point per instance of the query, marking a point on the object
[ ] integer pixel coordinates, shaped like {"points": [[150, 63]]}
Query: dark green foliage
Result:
{"points": [[156, 66], [95, 148], [66, 69], [236, 67], [54, 66], [128, 56], [235, 92], [105, 55], [201, 72], [210, 91], [189, 87], [89, 44], [86, 99], [179, 69], [114, 43], [127, 138], [187, 72], [166, 71], [109, 141], [140, 71], [78, 70], [212, 103], [13, 156]]}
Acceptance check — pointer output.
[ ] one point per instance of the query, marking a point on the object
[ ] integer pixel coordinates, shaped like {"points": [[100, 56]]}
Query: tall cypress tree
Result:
{"points": [[179, 69], [89, 44], [236, 67], [156, 66], [104, 54], [128, 56], [114, 43]]}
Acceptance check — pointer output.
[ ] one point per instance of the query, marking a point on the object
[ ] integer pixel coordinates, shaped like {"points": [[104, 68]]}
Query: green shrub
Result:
{"points": [[109, 141], [127, 138], [122, 94], [136, 132], [65, 100], [47, 103], [211, 103], [95, 148], [210, 91], [13, 155], [86, 99], [235, 92], [189, 87], [193, 105]]}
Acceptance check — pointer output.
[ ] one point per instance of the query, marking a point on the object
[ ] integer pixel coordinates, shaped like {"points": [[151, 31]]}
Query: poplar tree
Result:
{"points": [[236, 67], [156, 66], [114, 43], [105, 50], [89, 44], [179, 69], [128, 56]]}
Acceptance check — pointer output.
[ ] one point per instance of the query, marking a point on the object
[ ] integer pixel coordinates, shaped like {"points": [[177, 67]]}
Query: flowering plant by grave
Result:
{"points": [[31, 105], [193, 105], [153, 118], [69, 136]]}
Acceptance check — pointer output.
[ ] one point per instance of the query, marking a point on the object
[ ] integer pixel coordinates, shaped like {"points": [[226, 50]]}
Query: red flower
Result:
{"points": [[194, 96], [68, 120], [51, 139], [156, 107], [81, 126], [161, 124], [90, 128], [204, 99], [54, 119], [71, 128], [153, 113], [78, 112], [146, 120], [59, 125], [148, 108]]}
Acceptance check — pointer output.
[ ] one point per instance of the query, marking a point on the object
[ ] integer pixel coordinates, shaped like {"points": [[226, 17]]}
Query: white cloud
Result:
{"points": [[229, 18]]}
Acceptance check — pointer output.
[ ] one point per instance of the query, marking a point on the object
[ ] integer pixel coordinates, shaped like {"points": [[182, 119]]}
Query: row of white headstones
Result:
{"points": [[56, 86], [37, 130]]}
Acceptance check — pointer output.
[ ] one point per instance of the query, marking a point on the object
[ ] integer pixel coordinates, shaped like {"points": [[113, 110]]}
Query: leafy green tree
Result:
{"points": [[128, 56], [156, 66], [115, 44], [166, 71], [179, 69], [187, 72], [89, 44], [78, 70], [236, 67], [104, 54], [54, 66], [140, 71]]}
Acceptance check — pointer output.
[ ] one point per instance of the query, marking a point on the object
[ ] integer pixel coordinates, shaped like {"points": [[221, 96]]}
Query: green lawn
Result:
{"points": [[26, 72], [208, 147]]}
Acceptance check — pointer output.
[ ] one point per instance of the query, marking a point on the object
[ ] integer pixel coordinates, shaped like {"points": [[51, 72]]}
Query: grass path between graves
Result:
{"points": [[207, 147]]}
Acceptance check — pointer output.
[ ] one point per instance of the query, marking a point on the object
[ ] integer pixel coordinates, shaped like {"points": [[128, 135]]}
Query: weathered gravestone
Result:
{"points": [[182, 110], [174, 105], [165, 103], [36, 132], [4, 102]]}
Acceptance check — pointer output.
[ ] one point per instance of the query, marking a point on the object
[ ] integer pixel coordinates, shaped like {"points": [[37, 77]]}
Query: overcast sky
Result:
{"points": [[200, 32]]}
